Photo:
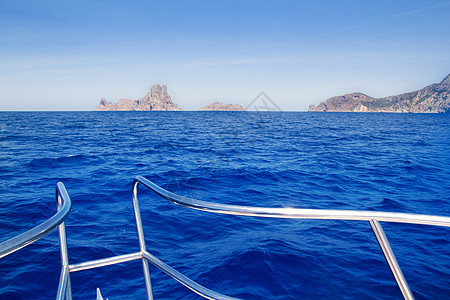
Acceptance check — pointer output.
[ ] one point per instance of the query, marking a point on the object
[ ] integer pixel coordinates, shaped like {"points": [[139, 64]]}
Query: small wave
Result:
{"points": [[165, 146], [388, 204], [75, 126], [44, 163]]}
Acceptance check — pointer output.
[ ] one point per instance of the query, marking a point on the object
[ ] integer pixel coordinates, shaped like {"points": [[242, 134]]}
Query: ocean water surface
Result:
{"points": [[358, 161]]}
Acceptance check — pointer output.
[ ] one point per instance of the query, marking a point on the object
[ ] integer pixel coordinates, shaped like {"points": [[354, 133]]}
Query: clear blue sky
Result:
{"points": [[66, 55]]}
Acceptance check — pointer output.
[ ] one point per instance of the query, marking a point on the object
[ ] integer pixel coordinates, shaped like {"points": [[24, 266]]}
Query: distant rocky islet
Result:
{"points": [[219, 106], [159, 100], [156, 99]]}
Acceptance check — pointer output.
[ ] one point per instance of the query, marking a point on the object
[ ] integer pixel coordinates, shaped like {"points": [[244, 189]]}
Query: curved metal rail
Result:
{"points": [[63, 209], [294, 213], [373, 217]]}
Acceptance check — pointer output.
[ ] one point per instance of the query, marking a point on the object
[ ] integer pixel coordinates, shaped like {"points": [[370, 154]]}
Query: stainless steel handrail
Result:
{"points": [[297, 213], [9, 246], [294, 213]]}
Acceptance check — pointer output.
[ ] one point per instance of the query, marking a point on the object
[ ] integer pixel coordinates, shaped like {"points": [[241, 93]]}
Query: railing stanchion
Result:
{"points": [[63, 240], [140, 232], [62, 286], [390, 258]]}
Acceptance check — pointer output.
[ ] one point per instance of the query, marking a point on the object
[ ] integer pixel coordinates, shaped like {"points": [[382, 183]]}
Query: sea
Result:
{"points": [[350, 161]]}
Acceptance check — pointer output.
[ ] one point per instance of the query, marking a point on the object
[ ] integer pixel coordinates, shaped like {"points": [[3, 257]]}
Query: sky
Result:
{"points": [[67, 55]]}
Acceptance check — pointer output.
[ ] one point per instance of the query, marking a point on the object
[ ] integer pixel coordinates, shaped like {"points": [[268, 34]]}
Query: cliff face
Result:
{"points": [[216, 106], [156, 99], [434, 98]]}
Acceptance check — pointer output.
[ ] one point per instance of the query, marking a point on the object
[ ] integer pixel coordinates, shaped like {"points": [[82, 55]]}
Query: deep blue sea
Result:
{"points": [[358, 161]]}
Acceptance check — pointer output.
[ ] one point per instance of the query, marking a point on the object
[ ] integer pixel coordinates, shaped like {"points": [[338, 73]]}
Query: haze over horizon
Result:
{"points": [[57, 55]]}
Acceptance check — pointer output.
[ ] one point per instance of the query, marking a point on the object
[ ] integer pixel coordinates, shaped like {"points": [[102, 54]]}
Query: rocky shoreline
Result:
{"points": [[434, 98]]}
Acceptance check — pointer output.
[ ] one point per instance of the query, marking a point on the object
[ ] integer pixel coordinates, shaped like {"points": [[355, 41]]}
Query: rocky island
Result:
{"points": [[156, 99], [219, 106], [434, 98]]}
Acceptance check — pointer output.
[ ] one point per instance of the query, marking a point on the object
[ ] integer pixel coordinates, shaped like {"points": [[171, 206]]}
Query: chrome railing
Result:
{"points": [[64, 288], [64, 206], [373, 217]]}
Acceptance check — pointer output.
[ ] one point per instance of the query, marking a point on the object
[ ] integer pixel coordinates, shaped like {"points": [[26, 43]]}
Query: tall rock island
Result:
{"points": [[156, 99], [434, 98]]}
